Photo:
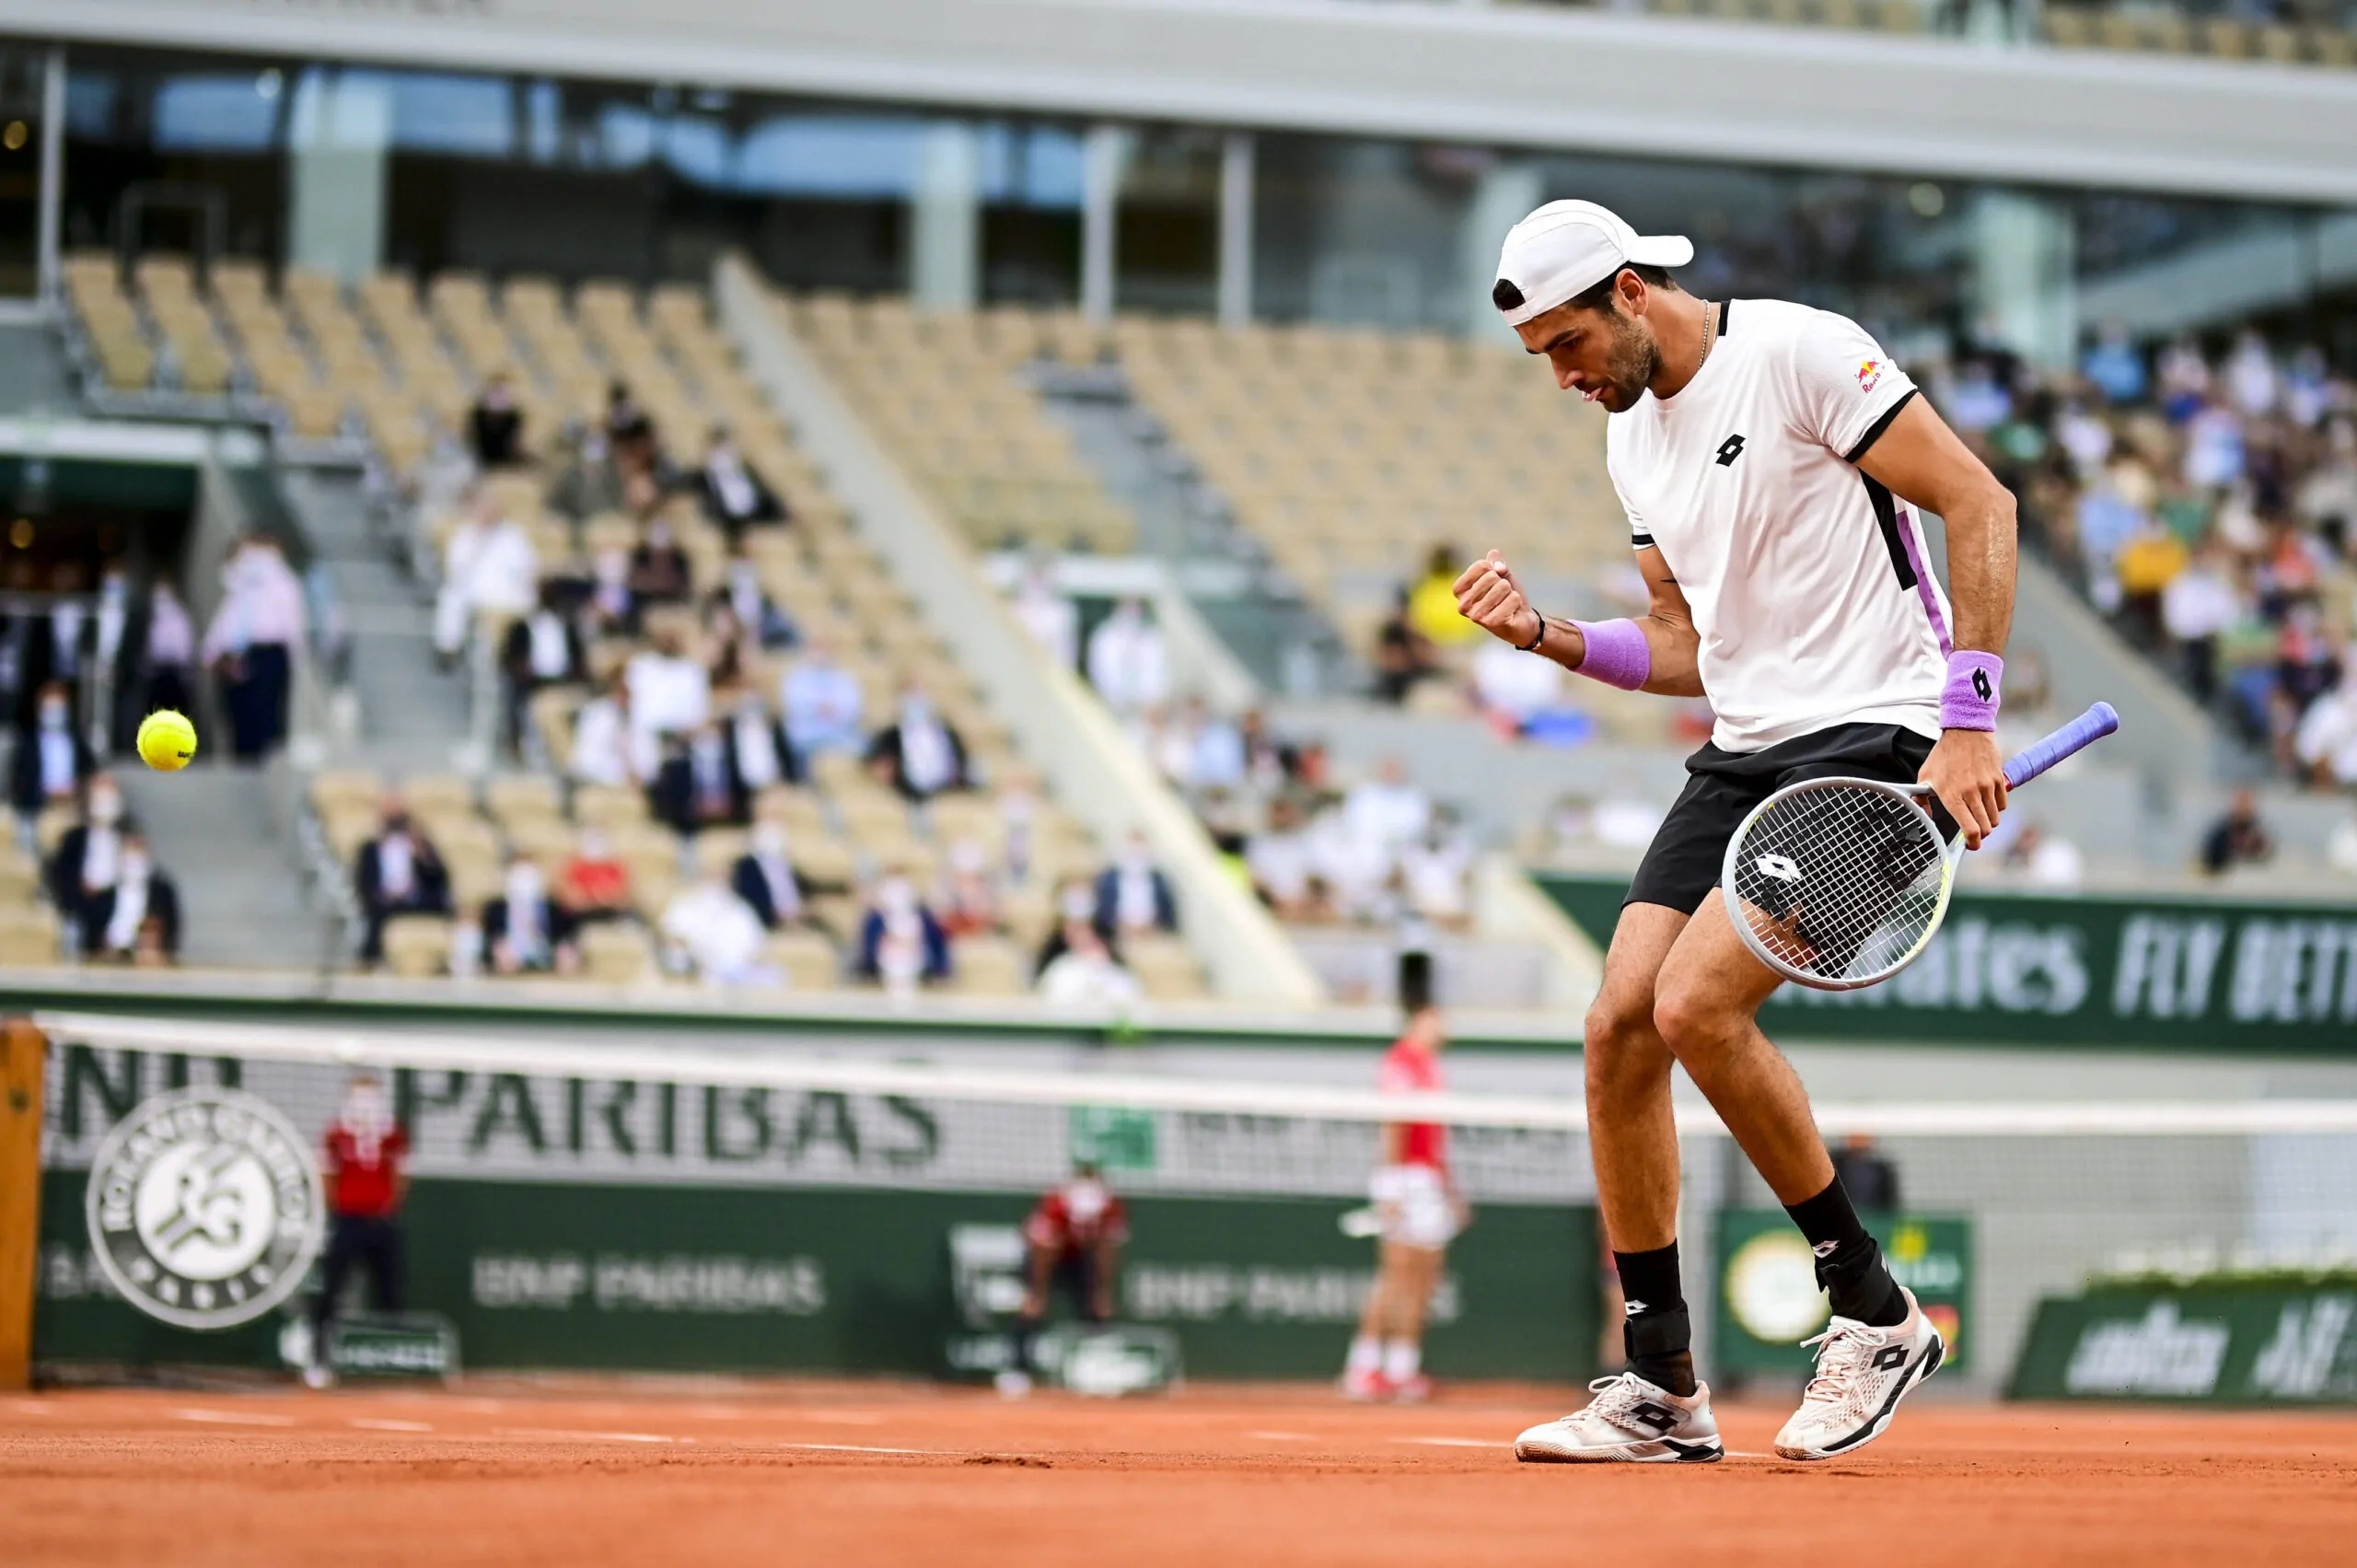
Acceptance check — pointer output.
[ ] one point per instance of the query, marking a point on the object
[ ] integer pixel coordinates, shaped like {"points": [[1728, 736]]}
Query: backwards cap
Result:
{"points": [[1567, 247]]}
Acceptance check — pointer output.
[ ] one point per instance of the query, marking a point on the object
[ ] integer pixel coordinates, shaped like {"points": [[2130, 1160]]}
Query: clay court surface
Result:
{"points": [[854, 1475]]}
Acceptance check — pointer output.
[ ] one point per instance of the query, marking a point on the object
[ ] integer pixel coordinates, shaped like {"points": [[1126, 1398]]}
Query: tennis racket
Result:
{"points": [[1839, 883]]}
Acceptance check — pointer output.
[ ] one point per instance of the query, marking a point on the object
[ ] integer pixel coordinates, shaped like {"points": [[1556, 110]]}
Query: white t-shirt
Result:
{"points": [[1809, 581]]}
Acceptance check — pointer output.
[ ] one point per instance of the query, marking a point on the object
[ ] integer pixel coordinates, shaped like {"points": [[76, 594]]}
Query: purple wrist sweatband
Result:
{"points": [[1617, 654], [1971, 698]]}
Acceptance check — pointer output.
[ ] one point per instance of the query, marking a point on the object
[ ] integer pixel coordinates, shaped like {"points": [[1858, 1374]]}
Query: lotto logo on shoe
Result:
{"points": [[1654, 1415], [1890, 1358]]}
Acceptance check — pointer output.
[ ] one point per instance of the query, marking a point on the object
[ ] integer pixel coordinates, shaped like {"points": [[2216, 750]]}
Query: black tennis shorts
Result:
{"points": [[1682, 863]]}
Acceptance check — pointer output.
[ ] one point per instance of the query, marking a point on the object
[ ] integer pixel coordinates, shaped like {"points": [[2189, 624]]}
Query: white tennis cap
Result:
{"points": [[1567, 247]]}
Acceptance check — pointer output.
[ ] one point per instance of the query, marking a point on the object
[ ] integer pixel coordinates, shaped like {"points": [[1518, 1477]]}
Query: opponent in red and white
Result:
{"points": [[1072, 1237], [1418, 1212], [1770, 458]]}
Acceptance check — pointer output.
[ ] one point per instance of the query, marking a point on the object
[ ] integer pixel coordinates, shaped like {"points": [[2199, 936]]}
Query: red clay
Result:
{"points": [[865, 1475]]}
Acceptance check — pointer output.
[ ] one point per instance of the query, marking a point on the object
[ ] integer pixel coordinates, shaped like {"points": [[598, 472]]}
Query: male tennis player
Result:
{"points": [[1420, 1210], [1769, 457]]}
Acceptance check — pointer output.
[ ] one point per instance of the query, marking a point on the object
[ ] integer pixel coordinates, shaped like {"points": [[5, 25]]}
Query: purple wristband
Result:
{"points": [[1970, 699], [1617, 654]]}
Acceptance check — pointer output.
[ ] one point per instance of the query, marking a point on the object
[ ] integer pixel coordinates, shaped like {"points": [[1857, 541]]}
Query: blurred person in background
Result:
{"points": [[1418, 1211], [542, 649], [1432, 601], [365, 1157], [920, 753], [901, 944], [630, 432], [168, 656], [1436, 872], [660, 572], [250, 645], [1512, 689], [820, 701], [740, 589], [1132, 894], [1075, 906], [670, 693], [698, 785], [594, 883], [2238, 838], [1403, 655], [711, 933], [2324, 743], [1073, 1237], [969, 903], [2148, 561], [756, 741], [525, 930], [396, 873], [1052, 618], [1215, 755], [2341, 847], [53, 763], [2115, 365], [1086, 973], [765, 878], [488, 567], [608, 748], [585, 483], [88, 861], [137, 920], [2042, 860], [1388, 809], [734, 497], [1129, 662], [1281, 867], [1867, 1175], [2199, 605], [496, 425], [611, 608]]}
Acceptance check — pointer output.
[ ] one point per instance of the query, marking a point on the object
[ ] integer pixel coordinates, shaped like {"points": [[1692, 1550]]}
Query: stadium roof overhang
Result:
{"points": [[1552, 79]]}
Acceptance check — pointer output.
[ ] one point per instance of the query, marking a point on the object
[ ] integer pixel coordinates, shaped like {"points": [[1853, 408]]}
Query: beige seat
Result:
{"points": [[616, 953], [439, 794], [808, 959], [1165, 970], [988, 965], [417, 946], [521, 796], [56, 819], [28, 937], [614, 808], [824, 861]]}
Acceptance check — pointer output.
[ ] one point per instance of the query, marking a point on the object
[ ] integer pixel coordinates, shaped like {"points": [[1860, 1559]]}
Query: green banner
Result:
{"points": [[2091, 969], [1768, 1301], [672, 1276], [2224, 1343]]}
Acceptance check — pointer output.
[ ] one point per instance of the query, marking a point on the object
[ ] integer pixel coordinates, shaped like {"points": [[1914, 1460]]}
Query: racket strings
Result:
{"points": [[1839, 881]]}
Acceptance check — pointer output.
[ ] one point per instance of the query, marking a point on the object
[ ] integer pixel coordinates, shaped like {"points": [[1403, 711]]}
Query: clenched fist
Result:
{"points": [[1488, 596]]}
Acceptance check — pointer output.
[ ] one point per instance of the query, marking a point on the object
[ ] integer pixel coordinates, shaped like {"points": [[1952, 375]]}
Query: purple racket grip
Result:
{"points": [[2073, 737]]}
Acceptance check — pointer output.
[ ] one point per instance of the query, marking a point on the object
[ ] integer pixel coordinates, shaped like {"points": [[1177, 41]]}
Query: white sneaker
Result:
{"points": [[1630, 1422], [1862, 1373], [1013, 1383], [316, 1376]]}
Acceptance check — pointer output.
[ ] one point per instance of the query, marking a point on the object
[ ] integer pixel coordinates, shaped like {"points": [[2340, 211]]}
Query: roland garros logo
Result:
{"points": [[204, 1208]]}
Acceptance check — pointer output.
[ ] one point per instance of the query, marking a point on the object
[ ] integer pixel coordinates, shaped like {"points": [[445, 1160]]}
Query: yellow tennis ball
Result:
{"points": [[166, 740]]}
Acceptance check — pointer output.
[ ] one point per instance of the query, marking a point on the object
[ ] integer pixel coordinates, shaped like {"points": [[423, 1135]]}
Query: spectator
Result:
{"points": [[901, 944], [542, 649], [1436, 872], [496, 425], [918, 754], [365, 1156], [2196, 608], [1403, 655], [757, 744], [2341, 849], [2146, 565], [586, 482], [1018, 808], [1513, 688], [629, 431], [1269, 764], [608, 748], [1086, 973], [1215, 755], [1132, 894], [249, 646], [137, 920], [1388, 809], [594, 883], [671, 693], [525, 930], [969, 903], [734, 495], [488, 567], [740, 589], [169, 653], [612, 607], [728, 644], [88, 861], [1073, 1237], [1051, 619], [2238, 838], [2115, 366], [2327, 499], [1128, 661], [765, 878], [713, 934], [2043, 860], [397, 873], [1432, 601], [1626, 818], [2325, 741], [1278, 858], [1355, 869], [2252, 384], [821, 702], [659, 569], [54, 763], [699, 786], [1867, 1175], [1075, 905]]}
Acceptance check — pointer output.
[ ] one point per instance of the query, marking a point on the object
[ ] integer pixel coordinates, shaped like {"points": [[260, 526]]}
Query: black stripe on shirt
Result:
{"points": [[1886, 519], [1642, 541], [1874, 433]]}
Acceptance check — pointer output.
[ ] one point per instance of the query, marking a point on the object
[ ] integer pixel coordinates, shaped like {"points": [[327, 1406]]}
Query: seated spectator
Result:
{"points": [[1216, 755], [734, 495], [1128, 663], [1268, 764], [698, 785], [901, 945], [969, 903], [1436, 873], [2341, 849], [1403, 655], [740, 589], [1052, 619], [2115, 365], [711, 933], [137, 920], [1278, 858], [608, 748], [820, 701], [542, 649], [2238, 838], [488, 565], [768, 882], [659, 570], [2325, 741], [1132, 894], [757, 741], [629, 431], [398, 871], [1432, 601], [525, 930], [496, 425], [1086, 973], [728, 645], [2044, 861], [1513, 688], [1019, 812], [1354, 868], [586, 482], [919, 753], [168, 663], [611, 607], [1388, 809], [52, 762], [2199, 605], [670, 693], [1075, 910], [594, 883], [88, 861], [2147, 562]]}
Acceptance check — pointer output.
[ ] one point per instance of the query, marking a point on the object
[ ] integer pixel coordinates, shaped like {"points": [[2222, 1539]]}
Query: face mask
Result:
{"points": [[896, 897], [106, 808], [1077, 903], [659, 536], [523, 883], [133, 866], [769, 838], [53, 714], [915, 710]]}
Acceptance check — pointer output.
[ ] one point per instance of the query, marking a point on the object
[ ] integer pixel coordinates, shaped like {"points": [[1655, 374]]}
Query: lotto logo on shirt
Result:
{"points": [[1870, 373]]}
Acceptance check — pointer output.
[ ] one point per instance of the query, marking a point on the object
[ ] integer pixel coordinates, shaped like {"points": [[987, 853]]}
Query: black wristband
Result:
{"points": [[1532, 646]]}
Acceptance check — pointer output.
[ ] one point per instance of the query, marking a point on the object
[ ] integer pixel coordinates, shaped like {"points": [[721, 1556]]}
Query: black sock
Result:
{"points": [[1849, 1263], [1655, 1333]]}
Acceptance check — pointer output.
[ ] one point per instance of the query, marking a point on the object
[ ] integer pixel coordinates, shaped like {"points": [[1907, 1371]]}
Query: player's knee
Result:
{"points": [[1622, 1051], [1687, 1018]]}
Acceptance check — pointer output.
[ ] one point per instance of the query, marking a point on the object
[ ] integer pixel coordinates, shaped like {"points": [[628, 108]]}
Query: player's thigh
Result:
{"points": [[1710, 980]]}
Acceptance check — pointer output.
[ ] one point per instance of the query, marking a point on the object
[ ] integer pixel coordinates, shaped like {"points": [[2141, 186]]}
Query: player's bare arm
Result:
{"points": [[1491, 596], [1919, 460]]}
